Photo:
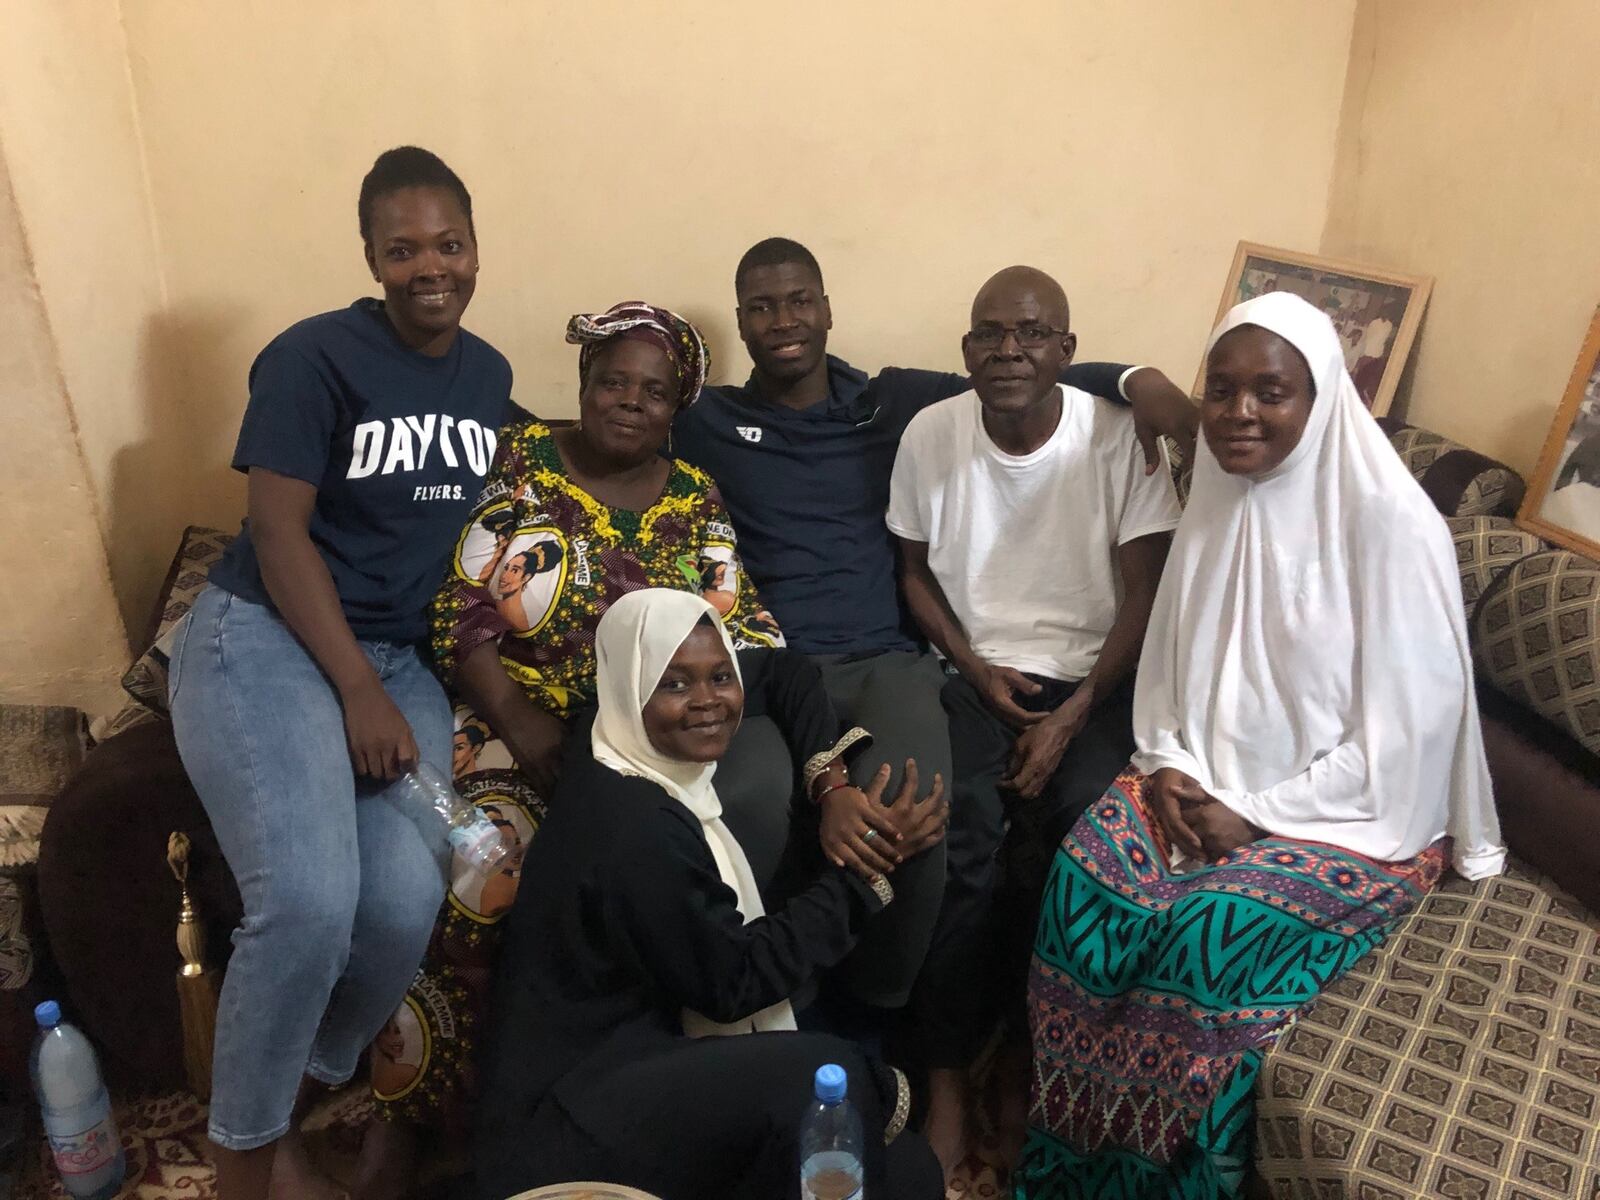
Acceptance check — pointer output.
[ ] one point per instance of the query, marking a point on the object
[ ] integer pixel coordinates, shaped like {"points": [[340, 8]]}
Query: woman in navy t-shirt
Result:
{"points": [[298, 694]]}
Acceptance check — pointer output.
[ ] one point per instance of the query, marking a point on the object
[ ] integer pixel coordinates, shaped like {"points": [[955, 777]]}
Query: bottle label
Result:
{"points": [[470, 841], [84, 1153]]}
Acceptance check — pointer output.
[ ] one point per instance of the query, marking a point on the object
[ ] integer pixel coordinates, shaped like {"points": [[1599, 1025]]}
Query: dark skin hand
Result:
{"points": [[1037, 752], [1196, 821], [1039, 747], [930, 608], [533, 736], [1161, 407], [297, 580], [905, 828], [1220, 829]]}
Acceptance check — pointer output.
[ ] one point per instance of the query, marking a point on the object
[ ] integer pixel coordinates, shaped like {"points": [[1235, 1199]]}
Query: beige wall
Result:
{"points": [[1468, 152], [620, 150], [187, 176], [68, 128], [60, 637]]}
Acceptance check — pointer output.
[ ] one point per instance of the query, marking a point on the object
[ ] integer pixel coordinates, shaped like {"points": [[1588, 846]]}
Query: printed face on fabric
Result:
{"points": [[696, 705], [1257, 400], [1019, 341], [628, 400], [784, 319], [422, 251]]}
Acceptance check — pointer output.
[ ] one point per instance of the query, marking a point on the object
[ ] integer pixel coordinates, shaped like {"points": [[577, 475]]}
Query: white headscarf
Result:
{"points": [[1307, 656], [635, 641]]}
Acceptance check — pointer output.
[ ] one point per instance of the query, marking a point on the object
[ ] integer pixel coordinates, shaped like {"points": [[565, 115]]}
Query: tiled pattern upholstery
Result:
{"points": [[1486, 546], [1461, 1060], [146, 680], [1536, 637], [1462, 482]]}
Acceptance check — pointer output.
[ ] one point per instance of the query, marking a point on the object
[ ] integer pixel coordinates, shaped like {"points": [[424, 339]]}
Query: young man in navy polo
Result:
{"points": [[803, 454]]}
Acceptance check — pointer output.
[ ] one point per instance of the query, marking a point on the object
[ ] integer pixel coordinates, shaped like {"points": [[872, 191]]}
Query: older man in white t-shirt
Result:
{"points": [[1032, 539]]}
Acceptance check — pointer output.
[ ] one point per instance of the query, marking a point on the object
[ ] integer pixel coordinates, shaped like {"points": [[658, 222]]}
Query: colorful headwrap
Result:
{"points": [[643, 322]]}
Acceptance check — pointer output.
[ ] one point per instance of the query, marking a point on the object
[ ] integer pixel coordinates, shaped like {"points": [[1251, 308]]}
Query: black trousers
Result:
{"points": [[894, 696], [714, 1117], [976, 968]]}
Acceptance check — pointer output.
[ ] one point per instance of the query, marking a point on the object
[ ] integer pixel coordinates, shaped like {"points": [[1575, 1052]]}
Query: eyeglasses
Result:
{"points": [[1029, 337]]}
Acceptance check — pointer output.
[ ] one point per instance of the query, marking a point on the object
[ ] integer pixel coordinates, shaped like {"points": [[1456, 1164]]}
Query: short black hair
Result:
{"points": [[774, 252], [408, 167]]}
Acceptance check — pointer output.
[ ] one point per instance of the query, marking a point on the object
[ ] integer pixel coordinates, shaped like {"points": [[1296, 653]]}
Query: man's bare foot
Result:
{"points": [[296, 1177], [945, 1126], [386, 1169]]}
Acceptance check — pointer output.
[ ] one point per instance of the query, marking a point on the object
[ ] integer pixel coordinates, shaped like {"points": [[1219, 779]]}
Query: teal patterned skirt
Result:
{"points": [[1153, 996]]}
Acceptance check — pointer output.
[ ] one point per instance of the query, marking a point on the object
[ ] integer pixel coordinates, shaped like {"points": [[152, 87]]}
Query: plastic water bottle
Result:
{"points": [[76, 1108], [472, 834], [830, 1141]]}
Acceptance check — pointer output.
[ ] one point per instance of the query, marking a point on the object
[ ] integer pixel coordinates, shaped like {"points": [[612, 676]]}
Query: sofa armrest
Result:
{"points": [[1459, 481], [110, 902]]}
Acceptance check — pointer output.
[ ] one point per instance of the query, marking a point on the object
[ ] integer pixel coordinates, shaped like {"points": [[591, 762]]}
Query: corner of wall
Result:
{"points": [[1345, 179], [147, 191], [96, 502]]}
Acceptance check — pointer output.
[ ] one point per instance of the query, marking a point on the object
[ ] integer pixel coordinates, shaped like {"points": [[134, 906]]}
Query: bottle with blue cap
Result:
{"points": [[76, 1108], [830, 1141]]}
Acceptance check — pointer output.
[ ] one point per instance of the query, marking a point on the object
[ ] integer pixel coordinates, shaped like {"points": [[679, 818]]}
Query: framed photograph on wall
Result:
{"points": [[1563, 501], [1375, 310]]}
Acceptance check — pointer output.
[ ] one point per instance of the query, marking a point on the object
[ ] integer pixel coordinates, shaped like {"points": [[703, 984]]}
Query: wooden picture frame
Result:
{"points": [[1356, 295], [1571, 459]]}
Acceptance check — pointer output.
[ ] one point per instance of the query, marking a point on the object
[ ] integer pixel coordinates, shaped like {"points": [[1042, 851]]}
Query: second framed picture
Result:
{"points": [[1376, 311], [1563, 501]]}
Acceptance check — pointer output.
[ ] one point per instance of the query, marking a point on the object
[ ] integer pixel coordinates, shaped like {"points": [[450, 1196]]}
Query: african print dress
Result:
{"points": [[1154, 996], [536, 567], [541, 560]]}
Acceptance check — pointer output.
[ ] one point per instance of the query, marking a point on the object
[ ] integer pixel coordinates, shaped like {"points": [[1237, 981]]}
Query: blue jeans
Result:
{"points": [[340, 886]]}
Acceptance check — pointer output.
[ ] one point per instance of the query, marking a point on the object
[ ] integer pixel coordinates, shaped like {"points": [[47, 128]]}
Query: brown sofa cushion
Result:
{"points": [[111, 905], [1547, 791], [1536, 637]]}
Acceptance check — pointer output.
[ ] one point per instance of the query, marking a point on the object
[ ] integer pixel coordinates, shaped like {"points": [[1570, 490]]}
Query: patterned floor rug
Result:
{"points": [[165, 1139]]}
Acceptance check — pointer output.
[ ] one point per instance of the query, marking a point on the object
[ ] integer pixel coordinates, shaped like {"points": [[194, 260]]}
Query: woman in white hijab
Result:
{"points": [[1309, 764], [638, 931]]}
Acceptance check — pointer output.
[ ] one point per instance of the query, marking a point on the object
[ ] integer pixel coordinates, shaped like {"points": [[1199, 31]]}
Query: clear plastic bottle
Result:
{"points": [[472, 834], [830, 1141], [76, 1108]]}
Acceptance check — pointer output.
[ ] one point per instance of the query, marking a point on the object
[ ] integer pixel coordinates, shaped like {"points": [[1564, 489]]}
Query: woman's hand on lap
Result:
{"points": [[848, 813], [1221, 830], [1170, 790], [380, 739], [928, 819], [921, 821]]}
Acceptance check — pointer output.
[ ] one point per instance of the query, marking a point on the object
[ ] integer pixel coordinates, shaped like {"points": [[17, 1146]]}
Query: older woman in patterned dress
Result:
{"points": [[569, 520]]}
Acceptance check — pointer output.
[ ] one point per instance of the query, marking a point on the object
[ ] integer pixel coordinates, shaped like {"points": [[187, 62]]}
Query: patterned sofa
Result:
{"points": [[1463, 1059]]}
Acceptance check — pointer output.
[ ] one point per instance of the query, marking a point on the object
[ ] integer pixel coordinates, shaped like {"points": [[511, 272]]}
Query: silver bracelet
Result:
{"points": [[902, 1107]]}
